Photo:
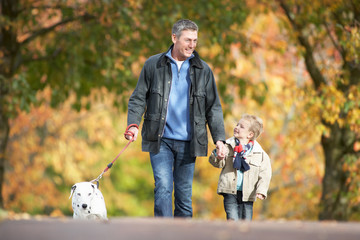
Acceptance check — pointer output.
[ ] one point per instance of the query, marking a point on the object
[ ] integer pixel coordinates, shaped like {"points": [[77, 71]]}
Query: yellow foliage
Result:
{"points": [[211, 52], [49, 150]]}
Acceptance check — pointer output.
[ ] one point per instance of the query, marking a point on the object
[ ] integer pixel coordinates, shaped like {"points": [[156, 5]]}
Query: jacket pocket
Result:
{"points": [[150, 129], [200, 131], [154, 101], [199, 103], [227, 180], [255, 163], [255, 160]]}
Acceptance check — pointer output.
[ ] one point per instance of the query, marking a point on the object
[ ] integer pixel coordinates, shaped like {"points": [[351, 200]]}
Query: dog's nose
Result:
{"points": [[84, 206]]}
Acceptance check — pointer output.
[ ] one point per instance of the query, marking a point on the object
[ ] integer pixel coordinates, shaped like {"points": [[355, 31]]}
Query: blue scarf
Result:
{"points": [[240, 151]]}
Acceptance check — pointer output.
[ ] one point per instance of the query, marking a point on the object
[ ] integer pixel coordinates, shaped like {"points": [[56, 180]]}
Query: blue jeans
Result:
{"points": [[173, 168], [236, 209]]}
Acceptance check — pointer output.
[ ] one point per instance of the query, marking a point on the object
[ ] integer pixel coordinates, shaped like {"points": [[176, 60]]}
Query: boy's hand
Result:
{"points": [[260, 196], [220, 149]]}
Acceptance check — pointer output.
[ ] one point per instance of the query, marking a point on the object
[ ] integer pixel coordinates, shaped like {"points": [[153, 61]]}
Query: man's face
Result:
{"points": [[184, 45]]}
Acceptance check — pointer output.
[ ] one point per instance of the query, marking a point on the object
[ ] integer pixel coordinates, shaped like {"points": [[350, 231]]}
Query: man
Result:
{"points": [[176, 93]]}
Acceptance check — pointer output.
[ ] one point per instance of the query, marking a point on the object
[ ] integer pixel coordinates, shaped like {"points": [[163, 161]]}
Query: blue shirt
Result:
{"points": [[178, 125], [240, 177]]}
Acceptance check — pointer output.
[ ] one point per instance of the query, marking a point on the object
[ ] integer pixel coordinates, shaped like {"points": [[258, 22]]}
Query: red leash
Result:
{"points": [[127, 133]]}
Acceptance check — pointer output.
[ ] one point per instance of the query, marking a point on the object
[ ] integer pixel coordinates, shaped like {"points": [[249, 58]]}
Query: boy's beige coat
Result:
{"points": [[256, 180]]}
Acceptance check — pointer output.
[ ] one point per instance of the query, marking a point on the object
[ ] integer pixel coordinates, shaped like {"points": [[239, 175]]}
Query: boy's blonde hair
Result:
{"points": [[256, 124]]}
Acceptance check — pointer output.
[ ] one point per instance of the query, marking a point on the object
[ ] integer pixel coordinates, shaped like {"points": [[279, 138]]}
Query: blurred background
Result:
{"points": [[68, 67]]}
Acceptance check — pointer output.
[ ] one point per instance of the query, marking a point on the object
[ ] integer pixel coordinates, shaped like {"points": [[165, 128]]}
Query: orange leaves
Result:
{"points": [[351, 41], [207, 203], [136, 66], [357, 146], [332, 102], [334, 106], [352, 107], [50, 150], [211, 52], [351, 167]]}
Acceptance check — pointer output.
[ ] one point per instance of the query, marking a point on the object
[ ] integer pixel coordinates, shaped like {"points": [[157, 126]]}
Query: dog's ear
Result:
{"points": [[93, 188], [97, 185], [72, 190]]}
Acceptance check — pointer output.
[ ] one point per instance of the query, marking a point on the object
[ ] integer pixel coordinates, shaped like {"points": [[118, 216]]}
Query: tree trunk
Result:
{"points": [[4, 135], [9, 48], [334, 203]]}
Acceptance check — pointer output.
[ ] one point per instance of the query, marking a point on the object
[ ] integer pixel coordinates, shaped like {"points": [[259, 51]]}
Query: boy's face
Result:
{"points": [[241, 130]]}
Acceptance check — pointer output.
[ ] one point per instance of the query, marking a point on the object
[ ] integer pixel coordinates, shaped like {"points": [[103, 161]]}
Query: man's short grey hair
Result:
{"points": [[183, 24]]}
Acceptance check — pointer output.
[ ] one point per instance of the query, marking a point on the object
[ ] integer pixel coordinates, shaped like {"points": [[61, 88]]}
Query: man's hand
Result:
{"points": [[134, 131], [220, 149]]}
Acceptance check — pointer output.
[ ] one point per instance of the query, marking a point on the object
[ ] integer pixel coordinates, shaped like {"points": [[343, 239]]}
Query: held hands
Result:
{"points": [[220, 149]]}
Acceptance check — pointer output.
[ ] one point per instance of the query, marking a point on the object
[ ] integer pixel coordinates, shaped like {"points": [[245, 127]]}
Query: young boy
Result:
{"points": [[246, 169]]}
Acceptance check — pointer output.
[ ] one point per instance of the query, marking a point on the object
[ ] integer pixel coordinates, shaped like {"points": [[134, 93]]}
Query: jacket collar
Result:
{"points": [[257, 147], [194, 62]]}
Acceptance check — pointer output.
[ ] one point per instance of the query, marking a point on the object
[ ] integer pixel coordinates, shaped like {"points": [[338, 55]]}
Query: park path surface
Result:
{"points": [[173, 229]]}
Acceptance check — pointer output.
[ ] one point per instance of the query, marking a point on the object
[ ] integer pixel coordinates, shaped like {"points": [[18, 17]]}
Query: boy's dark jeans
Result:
{"points": [[236, 209]]}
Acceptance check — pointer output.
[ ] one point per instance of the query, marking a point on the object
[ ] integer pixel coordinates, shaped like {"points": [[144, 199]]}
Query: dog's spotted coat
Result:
{"points": [[87, 201]]}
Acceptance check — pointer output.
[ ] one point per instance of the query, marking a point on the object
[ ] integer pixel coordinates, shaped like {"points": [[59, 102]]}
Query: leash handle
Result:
{"points": [[128, 133]]}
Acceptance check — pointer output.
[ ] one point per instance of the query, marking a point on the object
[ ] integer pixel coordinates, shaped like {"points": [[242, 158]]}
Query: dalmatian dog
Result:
{"points": [[87, 201]]}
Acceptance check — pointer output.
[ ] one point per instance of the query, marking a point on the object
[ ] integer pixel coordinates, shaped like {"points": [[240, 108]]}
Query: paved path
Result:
{"points": [[174, 229]]}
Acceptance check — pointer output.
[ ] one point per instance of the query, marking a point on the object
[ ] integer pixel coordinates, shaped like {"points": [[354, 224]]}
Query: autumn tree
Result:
{"points": [[74, 46], [327, 35]]}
